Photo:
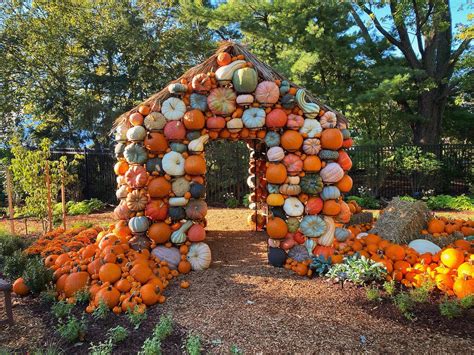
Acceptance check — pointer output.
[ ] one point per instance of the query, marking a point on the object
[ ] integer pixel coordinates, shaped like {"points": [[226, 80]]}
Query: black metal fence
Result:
{"points": [[228, 171]]}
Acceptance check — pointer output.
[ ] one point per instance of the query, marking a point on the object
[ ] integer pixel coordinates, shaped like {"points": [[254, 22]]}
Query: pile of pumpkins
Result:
{"points": [[443, 227], [161, 165]]}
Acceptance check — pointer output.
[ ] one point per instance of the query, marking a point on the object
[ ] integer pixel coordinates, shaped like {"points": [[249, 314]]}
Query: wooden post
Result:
{"points": [[63, 195], [48, 196], [10, 199]]}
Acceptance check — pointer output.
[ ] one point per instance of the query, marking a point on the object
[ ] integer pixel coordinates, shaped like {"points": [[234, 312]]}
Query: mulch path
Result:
{"points": [[241, 301]]}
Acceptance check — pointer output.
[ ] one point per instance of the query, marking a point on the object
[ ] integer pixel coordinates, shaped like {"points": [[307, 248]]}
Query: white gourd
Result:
{"points": [[199, 256], [173, 163], [197, 145], [328, 236], [225, 73], [310, 109]]}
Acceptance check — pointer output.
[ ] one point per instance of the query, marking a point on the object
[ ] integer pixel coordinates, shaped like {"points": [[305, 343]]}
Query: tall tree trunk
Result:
{"points": [[431, 105]]}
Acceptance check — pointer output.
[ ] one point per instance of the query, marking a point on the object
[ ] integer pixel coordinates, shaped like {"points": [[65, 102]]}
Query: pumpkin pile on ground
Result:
{"points": [[161, 164]]}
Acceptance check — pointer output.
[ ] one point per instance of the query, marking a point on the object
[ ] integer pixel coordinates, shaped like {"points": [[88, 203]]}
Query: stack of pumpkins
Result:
{"points": [[161, 168]]}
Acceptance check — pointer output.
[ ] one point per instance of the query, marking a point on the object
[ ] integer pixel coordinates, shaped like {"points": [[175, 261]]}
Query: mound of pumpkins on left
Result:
{"points": [[104, 264]]}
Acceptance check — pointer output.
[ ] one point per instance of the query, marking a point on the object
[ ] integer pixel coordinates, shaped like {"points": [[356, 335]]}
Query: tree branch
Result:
{"points": [[366, 34], [382, 30], [419, 26], [457, 53]]}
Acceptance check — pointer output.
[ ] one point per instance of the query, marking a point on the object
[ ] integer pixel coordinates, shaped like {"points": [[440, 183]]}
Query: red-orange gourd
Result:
{"points": [[195, 165], [291, 140], [331, 138], [276, 228]]}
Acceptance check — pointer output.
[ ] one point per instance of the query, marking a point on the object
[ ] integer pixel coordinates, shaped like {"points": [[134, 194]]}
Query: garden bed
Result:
{"points": [[242, 302]]}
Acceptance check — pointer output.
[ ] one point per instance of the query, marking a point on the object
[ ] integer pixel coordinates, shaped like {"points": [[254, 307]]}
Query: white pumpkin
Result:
{"points": [[121, 180], [275, 154], [331, 173], [197, 145], [245, 100], [199, 256], [173, 164], [293, 180], [235, 125], [254, 117], [136, 134], [328, 120], [122, 192], [170, 255], [424, 246], [154, 121], [178, 201], [173, 109], [311, 127], [293, 207], [121, 133]]}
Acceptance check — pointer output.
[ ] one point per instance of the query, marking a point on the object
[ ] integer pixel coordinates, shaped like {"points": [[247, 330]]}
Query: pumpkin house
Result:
{"points": [[161, 168]]}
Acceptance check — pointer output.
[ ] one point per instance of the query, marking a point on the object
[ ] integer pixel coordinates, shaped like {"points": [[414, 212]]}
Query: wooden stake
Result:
{"points": [[10, 199], [48, 196], [63, 196]]}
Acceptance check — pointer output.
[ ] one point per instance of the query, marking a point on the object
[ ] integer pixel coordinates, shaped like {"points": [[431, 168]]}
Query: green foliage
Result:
{"points": [[117, 334], [103, 348], [151, 346], [450, 308], [389, 287], [164, 328], [230, 200], [82, 296], [246, 201], [48, 296], [101, 311], [405, 305], [61, 309], [467, 302], [114, 336], [320, 265], [359, 270], [73, 329], [368, 202], [407, 198], [50, 350], [234, 349], [193, 345], [14, 265], [373, 294], [422, 294], [37, 277], [9, 244], [80, 208], [135, 317], [447, 202]]}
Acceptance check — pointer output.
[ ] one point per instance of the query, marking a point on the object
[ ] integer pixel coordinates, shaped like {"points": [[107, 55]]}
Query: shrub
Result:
{"points": [[14, 265], [405, 305], [421, 294], [151, 346], [10, 244], [73, 329], [359, 270], [447, 202], [373, 294], [193, 345], [103, 348], [37, 277], [320, 265], [467, 302], [114, 336], [101, 311], [389, 287], [61, 309], [117, 334], [407, 198], [49, 295], [136, 317], [164, 328], [450, 309], [369, 202], [84, 207]]}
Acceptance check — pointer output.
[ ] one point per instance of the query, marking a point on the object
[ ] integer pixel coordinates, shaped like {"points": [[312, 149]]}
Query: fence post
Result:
{"points": [[10, 199], [86, 173], [48, 196], [63, 195]]}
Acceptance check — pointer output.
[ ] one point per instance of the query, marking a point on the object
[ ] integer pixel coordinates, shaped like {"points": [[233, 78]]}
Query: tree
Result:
{"points": [[69, 68], [431, 57]]}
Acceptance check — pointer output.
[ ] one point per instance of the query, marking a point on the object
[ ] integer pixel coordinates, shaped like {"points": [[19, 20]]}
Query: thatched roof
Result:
{"points": [[264, 71]]}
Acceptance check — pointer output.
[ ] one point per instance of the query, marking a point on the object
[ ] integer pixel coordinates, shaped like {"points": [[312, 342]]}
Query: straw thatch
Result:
{"points": [[265, 72], [402, 221]]}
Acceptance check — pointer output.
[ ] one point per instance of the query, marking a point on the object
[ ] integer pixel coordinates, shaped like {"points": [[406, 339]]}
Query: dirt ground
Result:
{"points": [[241, 301]]}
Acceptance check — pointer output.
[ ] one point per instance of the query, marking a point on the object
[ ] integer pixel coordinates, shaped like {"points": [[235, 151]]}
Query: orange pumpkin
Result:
{"points": [[20, 287], [395, 252], [463, 287], [156, 142], [436, 226], [195, 165], [277, 118], [345, 184], [121, 167], [344, 160], [331, 138], [110, 272], [159, 187], [184, 267], [141, 273], [136, 119], [76, 281], [194, 120], [223, 58], [331, 208], [312, 163], [276, 173], [452, 258], [276, 228], [159, 232], [291, 140]]}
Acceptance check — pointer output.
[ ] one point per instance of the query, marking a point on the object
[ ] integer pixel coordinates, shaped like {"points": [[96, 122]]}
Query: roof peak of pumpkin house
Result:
{"points": [[264, 71]]}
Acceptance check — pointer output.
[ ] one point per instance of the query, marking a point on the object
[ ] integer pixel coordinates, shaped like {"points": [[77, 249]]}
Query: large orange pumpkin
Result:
{"points": [[276, 173], [156, 142], [345, 184], [159, 232], [331, 208], [20, 288], [395, 252], [159, 187], [463, 287], [194, 120], [331, 138], [76, 281], [276, 228], [452, 258], [110, 272], [344, 160], [195, 165], [291, 140], [314, 205], [276, 118], [436, 226]]}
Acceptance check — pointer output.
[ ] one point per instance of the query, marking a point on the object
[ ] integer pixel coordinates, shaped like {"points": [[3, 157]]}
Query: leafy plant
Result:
{"points": [[14, 265], [82, 296], [10, 244], [103, 348], [61, 309], [101, 311], [447, 202], [82, 207], [114, 336], [37, 277], [49, 295], [407, 198], [421, 294], [450, 309], [117, 334], [151, 346], [373, 294], [320, 265], [164, 328], [405, 305], [193, 345], [136, 317], [389, 287], [235, 350], [369, 202], [467, 302], [246, 200], [50, 350], [73, 329], [358, 269]]}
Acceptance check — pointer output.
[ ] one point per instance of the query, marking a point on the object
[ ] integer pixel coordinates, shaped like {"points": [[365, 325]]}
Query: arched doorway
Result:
{"points": [[299, 144]]}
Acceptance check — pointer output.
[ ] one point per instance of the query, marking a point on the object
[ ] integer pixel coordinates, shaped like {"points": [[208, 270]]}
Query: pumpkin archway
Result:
{"points": [[161, 146]]}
